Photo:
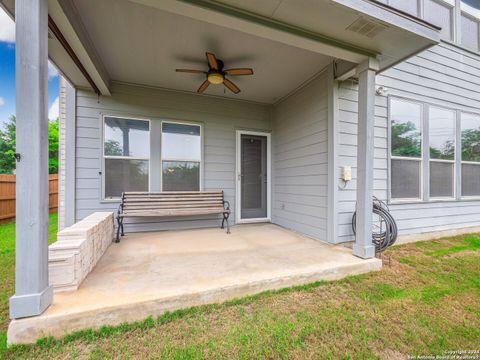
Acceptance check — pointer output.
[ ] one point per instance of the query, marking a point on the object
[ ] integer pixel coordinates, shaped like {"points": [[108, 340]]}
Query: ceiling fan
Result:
{"points": [[216, 74]]}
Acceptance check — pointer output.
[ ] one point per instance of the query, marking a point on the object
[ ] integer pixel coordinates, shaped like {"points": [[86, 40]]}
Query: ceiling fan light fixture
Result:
{"points": [[215, 78]]}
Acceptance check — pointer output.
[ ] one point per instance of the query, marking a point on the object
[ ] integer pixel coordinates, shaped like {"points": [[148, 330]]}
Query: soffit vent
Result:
{"points": [[366, 27]]}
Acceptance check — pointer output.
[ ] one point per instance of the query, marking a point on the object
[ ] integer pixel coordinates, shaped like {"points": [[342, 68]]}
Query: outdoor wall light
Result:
{"points": [[382, 91]]}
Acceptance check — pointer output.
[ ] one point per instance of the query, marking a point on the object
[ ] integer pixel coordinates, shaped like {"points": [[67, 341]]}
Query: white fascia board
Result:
{"points": [[262, 27], [71, 29]]}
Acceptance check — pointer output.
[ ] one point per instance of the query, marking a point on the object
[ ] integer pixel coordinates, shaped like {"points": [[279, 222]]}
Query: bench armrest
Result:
{"points": [[226, 205]]}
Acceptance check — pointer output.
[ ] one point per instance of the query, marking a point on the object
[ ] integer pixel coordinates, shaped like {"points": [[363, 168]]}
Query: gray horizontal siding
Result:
{"points": [[300, 167], [443, 75], [219, 118]]}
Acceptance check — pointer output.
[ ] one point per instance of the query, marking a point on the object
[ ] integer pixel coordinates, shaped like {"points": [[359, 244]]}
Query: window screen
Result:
{"points": [[125, 175], [126, 149], [471, 179], [405, 179], [181, 157], [441, 179], [181, 176]]}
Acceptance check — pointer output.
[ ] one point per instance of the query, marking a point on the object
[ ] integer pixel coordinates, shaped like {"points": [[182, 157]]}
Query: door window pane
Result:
{"points": [[441, 133], [406, 133], [126, 137], [181, 142], [125, 175], [405, 176], [181, 176], [441, 179], [470, 137], [253, 176], [470, 179]]}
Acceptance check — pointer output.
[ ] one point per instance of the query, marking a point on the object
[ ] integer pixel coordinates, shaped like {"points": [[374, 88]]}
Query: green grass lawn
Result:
{"points": [[7, 266], [425, 301]]}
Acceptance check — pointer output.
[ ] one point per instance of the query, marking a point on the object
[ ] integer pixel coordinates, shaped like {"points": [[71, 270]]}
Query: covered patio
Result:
{"points": [[147, 274], [122, 70]]}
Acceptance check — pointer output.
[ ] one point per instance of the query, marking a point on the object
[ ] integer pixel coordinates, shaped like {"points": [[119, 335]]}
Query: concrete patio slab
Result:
{"points": [[147, 274]]}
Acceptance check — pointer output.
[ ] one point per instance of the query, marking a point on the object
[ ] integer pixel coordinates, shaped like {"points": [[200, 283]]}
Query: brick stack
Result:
{"points": [[78, 249]]}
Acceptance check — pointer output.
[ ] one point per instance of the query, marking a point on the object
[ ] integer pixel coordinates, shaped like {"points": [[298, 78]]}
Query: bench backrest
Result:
{"points": [[172, 200]]}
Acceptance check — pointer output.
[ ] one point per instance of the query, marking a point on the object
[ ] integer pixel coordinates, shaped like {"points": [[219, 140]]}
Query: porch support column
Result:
{"points": [[366, 71], [32, 291]]}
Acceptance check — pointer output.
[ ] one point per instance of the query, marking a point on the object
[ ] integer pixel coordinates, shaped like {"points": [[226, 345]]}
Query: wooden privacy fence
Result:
{"points": [[7, 195]]}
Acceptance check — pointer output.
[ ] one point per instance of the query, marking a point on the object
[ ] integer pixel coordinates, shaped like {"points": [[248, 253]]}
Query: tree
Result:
{"points": [[7, 146], [113, 148], [406, 139], [471, 145]]}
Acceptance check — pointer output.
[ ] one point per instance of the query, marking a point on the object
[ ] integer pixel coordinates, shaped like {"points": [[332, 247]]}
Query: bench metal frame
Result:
{"points": [[173, 211]]}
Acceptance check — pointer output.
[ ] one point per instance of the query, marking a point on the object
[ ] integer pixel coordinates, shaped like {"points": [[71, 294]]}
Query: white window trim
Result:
{"points": [[391, 157], [457, 162], [201, 182], [103, 199]]}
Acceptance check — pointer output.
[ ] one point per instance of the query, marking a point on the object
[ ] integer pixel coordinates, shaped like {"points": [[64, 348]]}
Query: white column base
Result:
{"points": [[31, 304], [364, 252]]}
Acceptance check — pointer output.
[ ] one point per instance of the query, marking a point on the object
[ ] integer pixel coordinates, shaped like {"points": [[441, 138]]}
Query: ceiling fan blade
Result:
{"points": [[191, 71], [212, 61], [203, 87], [239, 71], [231, 86]]}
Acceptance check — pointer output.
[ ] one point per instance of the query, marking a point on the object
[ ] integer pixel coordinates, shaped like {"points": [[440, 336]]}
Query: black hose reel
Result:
{"points": [[384, 227]]}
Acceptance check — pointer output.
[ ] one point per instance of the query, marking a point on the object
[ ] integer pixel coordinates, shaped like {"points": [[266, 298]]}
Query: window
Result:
{"points": [[126, 152], [470, 125], [441, 142], [406, 149], [471, 6], [470, 23], [181, 157]]}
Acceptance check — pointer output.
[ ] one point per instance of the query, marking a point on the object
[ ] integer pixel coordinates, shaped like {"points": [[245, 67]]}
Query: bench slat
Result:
{"points": [[173, 212], [171, 206], [167, 193], [147, 200]]}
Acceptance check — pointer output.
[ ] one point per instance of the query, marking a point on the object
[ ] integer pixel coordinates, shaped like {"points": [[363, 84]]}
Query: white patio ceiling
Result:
{"points": [[286, 42], [142, 45]]}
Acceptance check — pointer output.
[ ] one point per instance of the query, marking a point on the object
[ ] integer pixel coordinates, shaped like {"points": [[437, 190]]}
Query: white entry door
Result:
{"points": [[253, 172]]}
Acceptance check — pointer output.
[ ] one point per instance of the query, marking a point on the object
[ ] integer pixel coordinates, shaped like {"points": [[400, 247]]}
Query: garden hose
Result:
{"points": [[384, 229]]}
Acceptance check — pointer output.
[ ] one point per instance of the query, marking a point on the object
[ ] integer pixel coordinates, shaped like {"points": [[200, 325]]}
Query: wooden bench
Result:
{"points": [[172, 203]]}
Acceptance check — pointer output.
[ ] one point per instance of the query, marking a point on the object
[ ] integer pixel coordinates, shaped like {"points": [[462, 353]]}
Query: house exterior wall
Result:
{"points": [[300, 160], [219, 119], [444, 75]]}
